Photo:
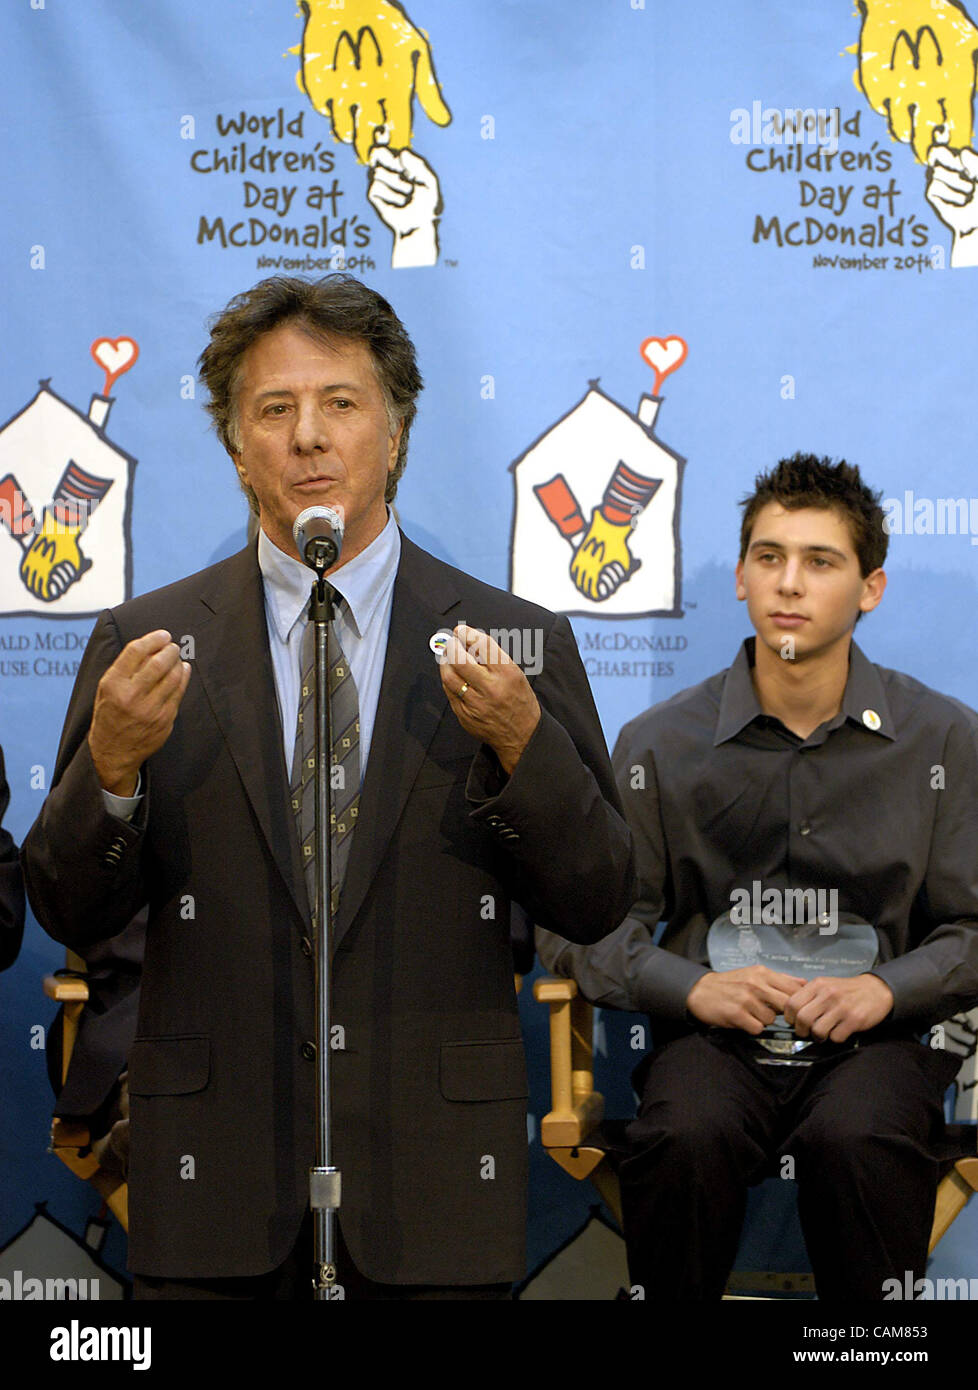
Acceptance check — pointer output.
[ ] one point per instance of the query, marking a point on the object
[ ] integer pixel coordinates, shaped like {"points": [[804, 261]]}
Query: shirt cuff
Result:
{"points": [[664, 983], [917, 988], [124, 807], [486, 778], [549, 747]]}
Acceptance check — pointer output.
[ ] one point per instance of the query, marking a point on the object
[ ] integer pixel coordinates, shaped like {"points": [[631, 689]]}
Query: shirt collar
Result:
{"points": [[363, 582], [864, 700]]}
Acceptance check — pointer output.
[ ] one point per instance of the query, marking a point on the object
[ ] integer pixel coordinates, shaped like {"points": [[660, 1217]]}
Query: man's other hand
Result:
{"points": [[489, 693], [748, 999], [135, 706], [834, 1009]]}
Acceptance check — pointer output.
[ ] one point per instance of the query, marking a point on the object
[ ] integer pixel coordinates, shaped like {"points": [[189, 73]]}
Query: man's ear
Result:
{"points": [[741, 591], [394, 443], [874, 586]]}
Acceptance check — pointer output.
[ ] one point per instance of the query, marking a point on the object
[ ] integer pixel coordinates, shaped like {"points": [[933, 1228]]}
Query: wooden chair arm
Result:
{"points": [[70, 1139], [65, 989], [577, 1106], [550, 990], [69, 989], [72, 994]]}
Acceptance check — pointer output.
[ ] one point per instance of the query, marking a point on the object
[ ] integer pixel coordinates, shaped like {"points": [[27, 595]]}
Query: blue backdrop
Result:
{"points": [[696, 238]]}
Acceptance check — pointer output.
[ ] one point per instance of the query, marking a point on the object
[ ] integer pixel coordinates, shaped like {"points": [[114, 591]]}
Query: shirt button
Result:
{"points": [[308, 1051], [805, 828]]}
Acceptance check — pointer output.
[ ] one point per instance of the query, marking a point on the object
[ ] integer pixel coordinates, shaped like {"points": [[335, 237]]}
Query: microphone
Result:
{"points": [[318, 536]]}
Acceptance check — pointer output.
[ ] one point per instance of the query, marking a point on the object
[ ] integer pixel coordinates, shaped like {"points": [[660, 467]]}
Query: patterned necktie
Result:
{"points": [[344, 763]]}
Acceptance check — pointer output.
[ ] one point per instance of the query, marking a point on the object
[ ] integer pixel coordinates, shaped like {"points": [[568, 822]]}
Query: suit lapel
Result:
{"points": [[235, 669], [411, 706]]}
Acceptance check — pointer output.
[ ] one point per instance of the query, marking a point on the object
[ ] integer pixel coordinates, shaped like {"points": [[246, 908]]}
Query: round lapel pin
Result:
{"points": [[438, 642]]}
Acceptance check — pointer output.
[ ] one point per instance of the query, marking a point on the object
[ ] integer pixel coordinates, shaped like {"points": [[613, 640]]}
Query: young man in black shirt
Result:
{"points": [[802, 774]]}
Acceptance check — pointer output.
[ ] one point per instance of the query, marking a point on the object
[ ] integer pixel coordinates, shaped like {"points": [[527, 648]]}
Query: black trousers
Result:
{"points": [[292, 1282], [865, 1131]]}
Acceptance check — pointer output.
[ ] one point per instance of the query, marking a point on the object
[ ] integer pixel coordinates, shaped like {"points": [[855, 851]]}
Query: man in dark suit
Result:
{"points": [[477, 788], [11, 884]]}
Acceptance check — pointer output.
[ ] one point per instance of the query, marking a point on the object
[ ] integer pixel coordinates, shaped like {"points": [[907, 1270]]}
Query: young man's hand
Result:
{"points": [[835, 1009], [748, 999]]}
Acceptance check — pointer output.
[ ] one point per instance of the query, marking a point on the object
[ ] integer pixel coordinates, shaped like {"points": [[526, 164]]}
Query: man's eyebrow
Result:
{"points": [[350, 386], [808, 549]]}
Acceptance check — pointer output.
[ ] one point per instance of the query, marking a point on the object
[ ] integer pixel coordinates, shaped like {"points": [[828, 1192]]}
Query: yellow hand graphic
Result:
{"points": [[362, 64], [53, 561], [602, 561], [917, 68]]}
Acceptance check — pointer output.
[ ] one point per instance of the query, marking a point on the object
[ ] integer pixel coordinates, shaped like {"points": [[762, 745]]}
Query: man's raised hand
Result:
{"points": [[136, 704], [489, 693]]}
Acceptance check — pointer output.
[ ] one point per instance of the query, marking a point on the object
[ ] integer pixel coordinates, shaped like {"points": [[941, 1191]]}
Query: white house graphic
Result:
{"points": [[596, 516], [65, 504], [46, 1261], [960, 1034]]}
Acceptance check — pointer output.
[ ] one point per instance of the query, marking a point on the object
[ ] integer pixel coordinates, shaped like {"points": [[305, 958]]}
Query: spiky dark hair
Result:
{"points": [[807, 481]]}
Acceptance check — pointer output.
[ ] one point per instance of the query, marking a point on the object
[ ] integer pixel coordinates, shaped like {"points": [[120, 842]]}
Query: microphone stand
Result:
{"points": [[324, 1179]]}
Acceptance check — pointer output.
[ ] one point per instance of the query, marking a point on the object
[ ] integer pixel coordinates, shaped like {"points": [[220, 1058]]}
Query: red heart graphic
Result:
{"points": [[663, 355], [115, 356]]}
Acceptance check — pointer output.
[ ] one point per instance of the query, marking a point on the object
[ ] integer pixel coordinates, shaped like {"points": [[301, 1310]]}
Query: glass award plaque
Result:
{"points": [[836, 944]]}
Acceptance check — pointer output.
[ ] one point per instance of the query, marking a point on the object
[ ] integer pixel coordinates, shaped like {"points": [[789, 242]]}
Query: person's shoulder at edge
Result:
{"points": [[464, 580], [701, 700], [241, 561], [907, 694]]}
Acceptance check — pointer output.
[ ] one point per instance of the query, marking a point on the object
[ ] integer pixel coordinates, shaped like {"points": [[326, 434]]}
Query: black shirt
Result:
{"points": [[880, 803]]}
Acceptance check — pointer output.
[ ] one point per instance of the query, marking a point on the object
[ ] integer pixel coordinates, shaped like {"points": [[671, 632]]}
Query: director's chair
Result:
{"points": [[71, 1139], [576, 1136]]}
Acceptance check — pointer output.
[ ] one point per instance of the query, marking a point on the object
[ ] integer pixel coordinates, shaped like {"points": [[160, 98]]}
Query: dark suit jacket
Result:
{"points": [[429, 1085], [105, 1032], [11, 885]]}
